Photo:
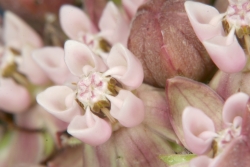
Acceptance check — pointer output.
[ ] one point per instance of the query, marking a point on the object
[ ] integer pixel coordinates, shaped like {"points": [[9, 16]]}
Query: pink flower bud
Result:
{"points": [[163, 39]]}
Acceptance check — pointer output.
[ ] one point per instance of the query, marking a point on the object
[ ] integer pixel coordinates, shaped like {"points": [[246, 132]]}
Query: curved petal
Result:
{"points": [[18, 32], [205, 20], [201, 161], [90, 129], [60, 102], [30, 68], [81, 60], [125, 67], [198, 129], [127, 108], [234, 106], [51, 60], [13, 97], [226, 53], [75, 22], [112, 23]]}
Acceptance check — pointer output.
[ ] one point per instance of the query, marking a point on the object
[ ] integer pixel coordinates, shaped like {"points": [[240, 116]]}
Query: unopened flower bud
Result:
{"points": [[163, 39]]}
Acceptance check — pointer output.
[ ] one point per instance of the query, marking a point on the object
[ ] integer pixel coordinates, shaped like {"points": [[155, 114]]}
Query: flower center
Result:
{"points": [[92, 88], [238, 14], [92, 91], [225, 137]]}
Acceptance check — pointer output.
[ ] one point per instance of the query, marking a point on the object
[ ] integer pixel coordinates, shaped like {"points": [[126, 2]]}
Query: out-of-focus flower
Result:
{"points": [[163, 39], [235, 117], [217, 32], [19, 73], [101, 97], [22, 148], [51, 60], [79, 27]]}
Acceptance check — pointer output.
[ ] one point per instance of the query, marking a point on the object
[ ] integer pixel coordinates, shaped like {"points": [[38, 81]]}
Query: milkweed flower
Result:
{"points": [[216, 131], [101, 99], [18, 71], [201, 136], [113, 25], [222, 34]]}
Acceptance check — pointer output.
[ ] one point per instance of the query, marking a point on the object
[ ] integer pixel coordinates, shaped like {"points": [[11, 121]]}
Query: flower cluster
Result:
{"points": [[100, 98], [83, 85]]}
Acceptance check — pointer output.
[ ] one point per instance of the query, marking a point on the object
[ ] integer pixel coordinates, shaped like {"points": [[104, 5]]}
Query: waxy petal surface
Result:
{"points": [[81, 60], [234, 106], [90, 129], [75, 22], [60, 102], [200, 16], [228, 57], [198, 129], [127, 108], [112, 23], [124, 67]]}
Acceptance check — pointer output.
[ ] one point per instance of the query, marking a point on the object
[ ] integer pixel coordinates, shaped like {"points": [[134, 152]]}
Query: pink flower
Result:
{"points": [[78, 26], [217, 32], [200, 134], [51, 60], [101, 97], [18, 70]]}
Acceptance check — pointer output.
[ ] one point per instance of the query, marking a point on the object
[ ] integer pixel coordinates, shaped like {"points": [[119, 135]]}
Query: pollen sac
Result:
{"points": [[104, 45], [96, 109], [9, 70]]}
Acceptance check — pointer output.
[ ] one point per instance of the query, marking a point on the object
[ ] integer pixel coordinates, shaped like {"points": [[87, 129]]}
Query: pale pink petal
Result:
{"points": [[81, 60], [30, 68], [113, 25], [51, 60], [226, 53], [198, 129], [18, 32], [13, 97], [75, 22], [125, 67], [201, 161], [205, 20], [90, 129], [60, 102], [131, 6], [234, 106], [127, 108]]}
